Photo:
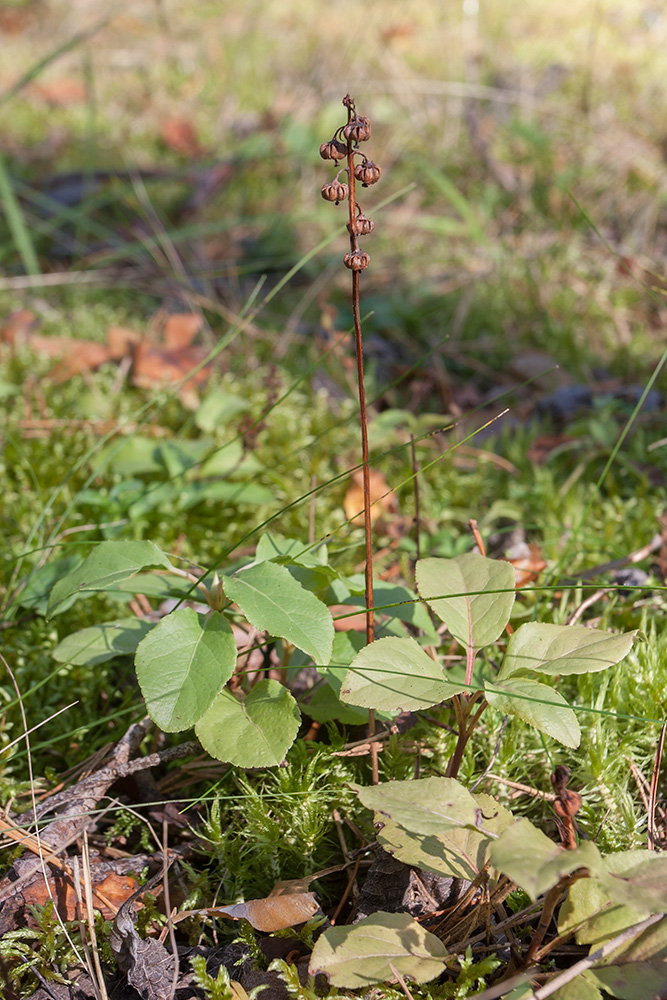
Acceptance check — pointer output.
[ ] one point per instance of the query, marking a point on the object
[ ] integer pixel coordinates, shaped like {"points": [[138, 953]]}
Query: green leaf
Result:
{"points": [[290, 550], [426, 807], [40, 583], [473, 615], [135, 456], [103, 642], [360, 954], [225, 491], [638, 981], [461, 853], [578, 989], [536, 863], [589, 905], [182, 664], [407, 607], [538, 705], [396, 674], [217, 409], [325, 704], [273, 601], [564, 649], [643, 885], [255, 731], [108, 563]]}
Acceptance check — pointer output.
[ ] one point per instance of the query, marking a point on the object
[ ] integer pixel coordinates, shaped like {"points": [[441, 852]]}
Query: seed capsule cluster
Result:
{"points": [[344, 145]]}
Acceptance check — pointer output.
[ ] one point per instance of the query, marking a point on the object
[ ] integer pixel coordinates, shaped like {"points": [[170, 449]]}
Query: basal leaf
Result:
{"points": [[357, 955], [255, 731], [182, 664], [103, 642], [473, 595], [536, 863], [636, 981], [325, 704], [273, 601], [108, 563], [538, 705], [460, 853], [395, 674], [644, 885], [589, 908], [579, 989], [426, 807], [564, 649]]}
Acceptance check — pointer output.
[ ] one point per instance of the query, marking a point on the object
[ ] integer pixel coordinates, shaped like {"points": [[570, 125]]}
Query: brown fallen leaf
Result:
{"points": [[108, 894], [528, 562], [61, 92], [383, 500], [274, 913], [18, 328], [180, 329], [122, 341], [354, 621], [84, 355], [180, 135], [155, 365], [289, 903]]}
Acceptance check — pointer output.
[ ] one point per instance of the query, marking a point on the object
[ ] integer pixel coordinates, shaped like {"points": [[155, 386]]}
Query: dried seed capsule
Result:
{"points": [[335, 191], [362, 226], [357, 260], [358, 129], [368, 172], [333, 150]]}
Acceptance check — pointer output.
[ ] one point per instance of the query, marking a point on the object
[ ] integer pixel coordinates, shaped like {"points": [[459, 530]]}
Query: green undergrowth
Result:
{"points": [[540, 237]]}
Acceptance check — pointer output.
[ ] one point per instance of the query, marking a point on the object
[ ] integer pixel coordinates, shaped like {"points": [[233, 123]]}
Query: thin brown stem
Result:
{"points": [[356, 315], [653, 795], [415, 473]]}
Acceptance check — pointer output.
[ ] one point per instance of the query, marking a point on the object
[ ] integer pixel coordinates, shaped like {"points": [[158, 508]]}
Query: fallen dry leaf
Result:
{"points": [[355, 620], [121, 341], [18, 328], [180, 135], [180, 329], [528, 562], [273, 913], [83, 355], [108, 895], [61, 92], [382, 499], [155, 365]]}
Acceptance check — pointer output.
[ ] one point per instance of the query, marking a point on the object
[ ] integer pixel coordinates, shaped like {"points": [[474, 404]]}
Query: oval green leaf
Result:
{"points": [[256, 731], [274, 602], [529, 858], [103, 642], [564, 649], [426, 807], [458, 853], [473, 595], [538, 705], [108, 563], [395, 674], [182, 664], [360, 954]]}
